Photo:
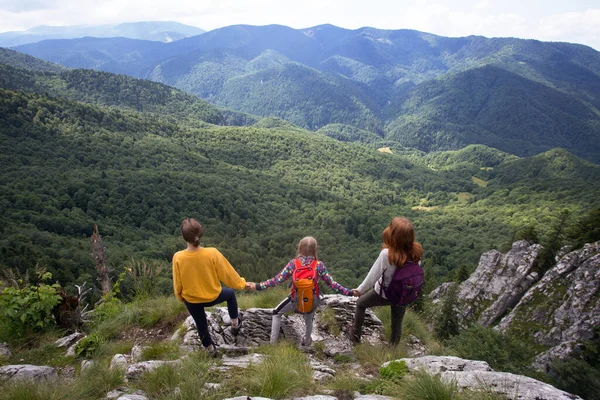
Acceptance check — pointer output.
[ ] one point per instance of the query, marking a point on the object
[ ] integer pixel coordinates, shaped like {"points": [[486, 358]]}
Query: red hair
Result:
{"points": [[399, 239]]}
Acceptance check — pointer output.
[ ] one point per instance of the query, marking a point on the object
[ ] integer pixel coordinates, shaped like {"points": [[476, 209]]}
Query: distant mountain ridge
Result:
{"points": [[162, 31], [417, 89]]}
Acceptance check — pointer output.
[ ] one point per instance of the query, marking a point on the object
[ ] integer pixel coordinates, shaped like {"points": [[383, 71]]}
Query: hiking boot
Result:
{"points": [[212, 351], [235, 330], [352, 336]]}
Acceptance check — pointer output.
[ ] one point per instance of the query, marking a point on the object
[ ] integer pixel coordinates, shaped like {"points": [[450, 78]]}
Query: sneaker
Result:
{"points": [[235, 330]]}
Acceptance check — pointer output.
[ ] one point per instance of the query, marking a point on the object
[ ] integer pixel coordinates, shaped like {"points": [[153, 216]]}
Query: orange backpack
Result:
{"points": [[305, 290]]}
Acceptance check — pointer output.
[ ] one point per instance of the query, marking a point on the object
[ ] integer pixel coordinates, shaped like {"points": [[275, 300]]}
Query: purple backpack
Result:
{"points": [[406, 284]]}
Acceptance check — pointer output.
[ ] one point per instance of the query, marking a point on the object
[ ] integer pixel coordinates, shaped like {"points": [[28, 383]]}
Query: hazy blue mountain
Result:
{"points": [[414, 88], [162, 31]]}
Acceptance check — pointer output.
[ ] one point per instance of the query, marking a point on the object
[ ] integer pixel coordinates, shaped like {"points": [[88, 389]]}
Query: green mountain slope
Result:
{"points": [[65, 165], [24, 61], [497, 108], [419, 89]]}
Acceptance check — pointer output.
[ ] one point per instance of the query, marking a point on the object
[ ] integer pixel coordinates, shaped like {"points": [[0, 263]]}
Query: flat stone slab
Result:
{"points": [[27, 372]]}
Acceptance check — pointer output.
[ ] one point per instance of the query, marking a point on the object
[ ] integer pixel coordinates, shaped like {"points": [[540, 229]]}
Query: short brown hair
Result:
{"points": [[307, 247], [192, 231], [399, 239]]}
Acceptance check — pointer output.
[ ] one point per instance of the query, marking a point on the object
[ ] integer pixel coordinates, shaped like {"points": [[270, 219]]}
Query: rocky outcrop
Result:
{"points": [[332, 321], [497, 284], [563, 308], [26, 372], [477, 375]]}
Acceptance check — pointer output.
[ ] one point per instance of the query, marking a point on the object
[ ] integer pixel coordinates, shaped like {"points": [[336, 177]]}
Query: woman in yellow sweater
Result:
{"points": [[197, 276]]}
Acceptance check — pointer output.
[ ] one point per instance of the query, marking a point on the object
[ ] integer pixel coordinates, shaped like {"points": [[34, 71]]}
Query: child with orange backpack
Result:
{"points": [[305, 270]]}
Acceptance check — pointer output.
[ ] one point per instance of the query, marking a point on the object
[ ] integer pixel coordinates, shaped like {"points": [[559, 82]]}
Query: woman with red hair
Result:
{"points": [[399, 247]]}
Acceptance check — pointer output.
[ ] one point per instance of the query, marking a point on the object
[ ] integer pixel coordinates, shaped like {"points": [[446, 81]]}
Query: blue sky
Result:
{"points": [[576, 21]]}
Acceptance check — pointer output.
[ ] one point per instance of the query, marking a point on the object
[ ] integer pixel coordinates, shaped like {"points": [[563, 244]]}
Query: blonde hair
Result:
{"points": [[307, 247]]}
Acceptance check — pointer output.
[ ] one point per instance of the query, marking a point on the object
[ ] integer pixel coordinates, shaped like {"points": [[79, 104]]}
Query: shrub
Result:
{"points": [[502, 352], [89, 345], [28, 309], [394, 370]]}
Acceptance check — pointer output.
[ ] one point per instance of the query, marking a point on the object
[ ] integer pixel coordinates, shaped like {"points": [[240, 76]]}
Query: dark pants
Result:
{"points": [[196, 310], [372, 299]]}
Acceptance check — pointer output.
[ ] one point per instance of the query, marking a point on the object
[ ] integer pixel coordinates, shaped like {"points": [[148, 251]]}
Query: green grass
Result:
{"points": [[41, 350], [371, 357], [329, 322], [479, 182], [284, 373], [424, 386], [161, 351], [268, 298], [411, 324]]}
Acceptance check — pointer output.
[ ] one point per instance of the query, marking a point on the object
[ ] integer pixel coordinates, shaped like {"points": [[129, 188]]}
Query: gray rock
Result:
{"points": [[137, 352], [316, 397], [437, 364], [477, 375], [243, 361], [564, 305], [248, 397], [563, 351], [69, 340], [5, 351], [358, 396], [132, 397], [415, 347], [114, 394], [497, 284], [71, 349], [136, 370], [27, 372], [85, 365], [119, 361], [510, 385], [256, 328]]}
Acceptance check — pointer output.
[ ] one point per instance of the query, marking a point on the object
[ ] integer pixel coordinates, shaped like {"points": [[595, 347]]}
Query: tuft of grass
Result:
{"points": [[264, 299], [344, 384], [411, 324], [161, 381], [46, 353], [424, 386], [94, 383], [285, 372], [329, 322], [161, 351], [31, 391], [147, 313], [107, 350], [371, 357]]}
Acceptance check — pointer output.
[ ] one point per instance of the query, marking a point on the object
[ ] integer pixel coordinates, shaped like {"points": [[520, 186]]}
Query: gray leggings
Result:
{"points": [[372, 299], [283, 307]]}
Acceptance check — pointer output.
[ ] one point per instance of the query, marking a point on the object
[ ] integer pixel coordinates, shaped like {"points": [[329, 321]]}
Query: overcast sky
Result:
{"points": [[576, 21]]}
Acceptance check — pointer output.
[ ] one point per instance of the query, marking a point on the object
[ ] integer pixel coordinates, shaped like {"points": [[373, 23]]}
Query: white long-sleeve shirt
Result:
{"points": [[373, 279]]}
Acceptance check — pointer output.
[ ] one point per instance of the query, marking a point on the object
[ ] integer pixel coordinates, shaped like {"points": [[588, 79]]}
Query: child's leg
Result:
{"points": [[282, 308], [308, 323]]}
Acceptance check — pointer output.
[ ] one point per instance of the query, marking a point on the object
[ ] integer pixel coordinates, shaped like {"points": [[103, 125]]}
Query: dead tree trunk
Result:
{"points": [[100, 258]]}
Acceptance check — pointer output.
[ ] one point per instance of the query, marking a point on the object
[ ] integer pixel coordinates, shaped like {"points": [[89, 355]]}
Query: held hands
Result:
{"points": [[355, 293], [250, 286]]}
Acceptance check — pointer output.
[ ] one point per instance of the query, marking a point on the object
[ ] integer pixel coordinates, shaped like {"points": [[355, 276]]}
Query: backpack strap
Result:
{"points": [[313, 265]]}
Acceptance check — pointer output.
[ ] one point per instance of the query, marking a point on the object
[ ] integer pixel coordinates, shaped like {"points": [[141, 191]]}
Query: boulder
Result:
{"points": [[564, 305], [135, 371], [69, 340], [497, 284], [477, 375], [119, 361], [26, 372]]}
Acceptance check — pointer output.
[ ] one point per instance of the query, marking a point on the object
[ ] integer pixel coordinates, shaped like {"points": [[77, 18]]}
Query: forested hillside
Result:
{"points": [[73, 155], [417, 89]]}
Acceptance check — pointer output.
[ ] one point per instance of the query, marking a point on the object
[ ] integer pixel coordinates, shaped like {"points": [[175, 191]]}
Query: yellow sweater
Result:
{"points": [[197, 275]]}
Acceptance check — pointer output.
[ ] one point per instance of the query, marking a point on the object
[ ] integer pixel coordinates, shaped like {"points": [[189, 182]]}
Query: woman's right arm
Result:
{"points": [[374, 274], [177, 285], [284, 275]]}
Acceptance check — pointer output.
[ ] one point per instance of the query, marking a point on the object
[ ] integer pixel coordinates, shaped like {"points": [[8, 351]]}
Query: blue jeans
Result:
{"points": [[196, 310]]}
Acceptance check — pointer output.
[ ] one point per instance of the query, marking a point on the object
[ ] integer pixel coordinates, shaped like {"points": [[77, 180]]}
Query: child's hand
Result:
{"points": [[355, 293], [251, 286]]}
